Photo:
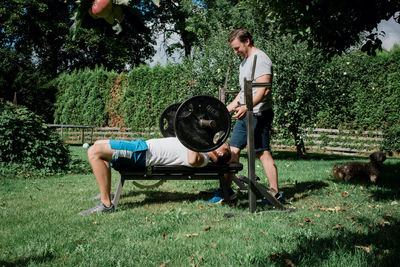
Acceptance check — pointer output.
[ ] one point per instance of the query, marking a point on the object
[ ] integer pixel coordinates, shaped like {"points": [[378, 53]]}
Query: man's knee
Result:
{"points": [[265, 156], [235, 153], [99, 150]]}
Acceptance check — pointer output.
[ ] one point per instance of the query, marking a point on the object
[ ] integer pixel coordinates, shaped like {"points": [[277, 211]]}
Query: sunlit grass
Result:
{"points": [[334, 223]]}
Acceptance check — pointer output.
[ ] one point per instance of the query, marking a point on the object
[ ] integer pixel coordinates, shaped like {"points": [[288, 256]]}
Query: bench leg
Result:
{"points": [[225, 190], [118, 192]]}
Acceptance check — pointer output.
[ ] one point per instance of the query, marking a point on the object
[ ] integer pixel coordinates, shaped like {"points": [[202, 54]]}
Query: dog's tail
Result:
{"points": [[337, 173]]}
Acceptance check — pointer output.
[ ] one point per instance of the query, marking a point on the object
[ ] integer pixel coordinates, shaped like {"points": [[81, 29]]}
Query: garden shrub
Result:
{"points": [[82, 97], [27, 145], [150, 90]]}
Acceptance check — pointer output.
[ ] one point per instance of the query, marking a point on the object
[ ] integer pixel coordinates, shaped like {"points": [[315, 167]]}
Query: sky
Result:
{"points": [[390, 27], [392, 30]]}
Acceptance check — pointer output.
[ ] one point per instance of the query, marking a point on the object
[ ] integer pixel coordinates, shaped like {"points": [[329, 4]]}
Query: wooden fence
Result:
{"points": [[334, 141], [326, 140]]}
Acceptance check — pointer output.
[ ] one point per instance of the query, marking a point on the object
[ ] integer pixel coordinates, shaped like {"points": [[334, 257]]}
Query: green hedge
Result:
{"points": [[354, 91], [363, 92], [134, 100]]}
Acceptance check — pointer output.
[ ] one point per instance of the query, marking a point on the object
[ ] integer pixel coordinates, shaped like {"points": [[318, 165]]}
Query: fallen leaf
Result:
{"points": [[382, 224], [328, 209], [301, 224], [213, 245], [344, 209], [263, 232], [288, 262], [371, 195], [367, 249], [388, 215], [308, 220], [192, 235], [337, 227], [275, 256], [350, 218], [207, 229], [246, 238], [164, 235], [359, 232], [201, 207], [94, 222], [394, 203], [163, 265], [345, 194]]}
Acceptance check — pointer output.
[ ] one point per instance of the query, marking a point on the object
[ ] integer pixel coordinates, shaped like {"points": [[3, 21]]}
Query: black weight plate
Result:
{"points": [[192, 134], [166, 121]]}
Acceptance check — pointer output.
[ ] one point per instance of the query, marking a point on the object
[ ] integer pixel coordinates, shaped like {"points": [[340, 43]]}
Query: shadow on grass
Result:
{"points": [[159, 197], [25, 261], [379, 246], [298, 191]]}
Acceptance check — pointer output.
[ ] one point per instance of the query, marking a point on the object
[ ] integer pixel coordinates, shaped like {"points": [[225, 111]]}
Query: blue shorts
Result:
{"points": [[128, 155], [262, 128]]}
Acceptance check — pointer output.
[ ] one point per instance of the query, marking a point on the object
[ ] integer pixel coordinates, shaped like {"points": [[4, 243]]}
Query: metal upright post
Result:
{"points": [[248, 96]]}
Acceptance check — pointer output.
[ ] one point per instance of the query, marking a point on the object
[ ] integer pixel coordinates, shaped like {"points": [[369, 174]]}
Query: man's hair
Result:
{"points": [[242, 35], [226, 157]]}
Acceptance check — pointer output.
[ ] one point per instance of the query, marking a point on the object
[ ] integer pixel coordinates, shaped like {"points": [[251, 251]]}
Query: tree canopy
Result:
{"points": [[333, 26]]}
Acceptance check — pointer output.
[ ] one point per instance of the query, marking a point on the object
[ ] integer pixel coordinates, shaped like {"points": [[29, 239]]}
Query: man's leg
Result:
{"points": [[235, 153], [100, 156], [228, 178], [270, 169]]}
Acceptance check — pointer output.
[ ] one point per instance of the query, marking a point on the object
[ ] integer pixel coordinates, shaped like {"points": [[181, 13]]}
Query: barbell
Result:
{"points": [[201, 123]]}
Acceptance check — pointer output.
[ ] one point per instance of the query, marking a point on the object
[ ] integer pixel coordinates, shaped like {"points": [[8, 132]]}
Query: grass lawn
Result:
{"points": [[334, 223]]}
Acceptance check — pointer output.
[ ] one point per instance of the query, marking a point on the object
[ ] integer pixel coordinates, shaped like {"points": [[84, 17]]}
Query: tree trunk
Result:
{"points": [[299, 142]]}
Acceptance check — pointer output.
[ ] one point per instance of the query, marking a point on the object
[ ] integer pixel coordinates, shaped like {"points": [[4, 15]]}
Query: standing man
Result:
{"points": [[242, 44]]}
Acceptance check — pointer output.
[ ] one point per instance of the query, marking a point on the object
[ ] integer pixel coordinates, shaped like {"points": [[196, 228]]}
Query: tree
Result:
{"points": [[35, 40], [332, 26], [295, 86]]}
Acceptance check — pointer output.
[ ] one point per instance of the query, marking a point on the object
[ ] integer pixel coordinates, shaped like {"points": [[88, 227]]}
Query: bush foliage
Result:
{"points": [[27, 146]]}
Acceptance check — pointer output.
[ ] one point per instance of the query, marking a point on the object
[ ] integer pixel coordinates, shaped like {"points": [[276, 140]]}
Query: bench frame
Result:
{"points": [[210, 172]]}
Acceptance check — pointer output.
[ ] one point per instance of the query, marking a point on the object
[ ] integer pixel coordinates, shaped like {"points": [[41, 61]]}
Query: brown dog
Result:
{"points": [[369, 170]]}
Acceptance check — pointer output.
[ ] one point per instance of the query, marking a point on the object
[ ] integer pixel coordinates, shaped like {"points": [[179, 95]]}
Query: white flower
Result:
{"points": [[344, 73], [348, 63]]}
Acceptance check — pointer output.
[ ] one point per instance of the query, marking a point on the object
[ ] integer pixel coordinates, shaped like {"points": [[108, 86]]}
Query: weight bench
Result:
{"points": [[209, 172]]}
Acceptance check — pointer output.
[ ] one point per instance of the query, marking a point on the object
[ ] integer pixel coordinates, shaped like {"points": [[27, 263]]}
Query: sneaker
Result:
{"points": [[219, 196], [99, 208], [97, 197], [278, 196]]}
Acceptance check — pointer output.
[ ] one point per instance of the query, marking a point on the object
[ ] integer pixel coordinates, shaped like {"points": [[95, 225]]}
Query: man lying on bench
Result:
{"points": [[137, 155]]}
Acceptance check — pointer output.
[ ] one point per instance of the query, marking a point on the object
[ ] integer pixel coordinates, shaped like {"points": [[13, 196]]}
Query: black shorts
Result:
{"points": [[262, 129]]}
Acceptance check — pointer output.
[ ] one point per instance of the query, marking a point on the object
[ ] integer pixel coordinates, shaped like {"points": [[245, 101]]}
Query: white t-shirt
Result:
{"points": [[169, 151], [263, 67]]}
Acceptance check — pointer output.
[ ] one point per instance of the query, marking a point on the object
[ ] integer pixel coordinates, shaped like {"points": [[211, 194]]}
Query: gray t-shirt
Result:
{"points": [[263, 67], [168, 151]]}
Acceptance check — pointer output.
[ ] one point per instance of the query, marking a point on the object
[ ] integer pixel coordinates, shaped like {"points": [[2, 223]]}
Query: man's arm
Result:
{"points": [[195, 159], [234, 104], [257, 97]]}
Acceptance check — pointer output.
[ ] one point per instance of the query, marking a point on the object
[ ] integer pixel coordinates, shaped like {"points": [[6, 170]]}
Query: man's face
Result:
{"points": [[239, 48]]}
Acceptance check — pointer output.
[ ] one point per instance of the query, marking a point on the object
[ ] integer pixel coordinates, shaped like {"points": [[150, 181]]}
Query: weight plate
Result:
{"points": [[202, 123], [166, 121]]}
